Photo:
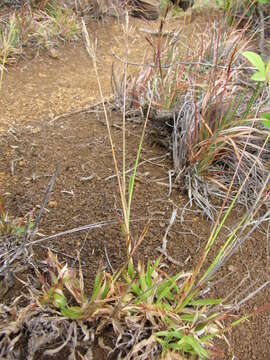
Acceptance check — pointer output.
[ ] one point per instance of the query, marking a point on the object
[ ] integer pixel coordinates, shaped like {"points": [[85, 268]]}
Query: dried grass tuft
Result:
{"points": [[211, 110]]}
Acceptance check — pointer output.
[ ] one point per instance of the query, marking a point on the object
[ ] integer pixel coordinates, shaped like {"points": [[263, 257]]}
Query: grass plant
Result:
{"points": [[42, 27], [255, 12], [151, 313], [148, 312], [211, 109]]}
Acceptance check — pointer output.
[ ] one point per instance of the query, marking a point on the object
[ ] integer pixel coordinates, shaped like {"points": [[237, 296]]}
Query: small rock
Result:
{"points": [[21, 163], [52, 204], [53, 53]]}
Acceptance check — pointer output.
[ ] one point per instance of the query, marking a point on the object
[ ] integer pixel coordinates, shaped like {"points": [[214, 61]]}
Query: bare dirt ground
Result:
{"points": [[46, 84], [34, 92]]}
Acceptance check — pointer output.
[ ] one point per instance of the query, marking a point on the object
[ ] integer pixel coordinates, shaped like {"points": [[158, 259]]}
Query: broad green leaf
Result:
{"points": [[181, 346], [136, 289], [105, 291], [73, 312], [54, 279], [146, 296], [266, 122], [131, 271], [164, 289], [157, 262], [178, 334], [165, 293], [97, 286], [127, 278], [265, 116], [255, 60], [20, 230], [202, 302], [142, 280], [51, 292], [195, 344], [164, 306], [207, 337], [238, 321], [148, 277], [258, 76], [59, 300], [164, 346], [188, 317]]}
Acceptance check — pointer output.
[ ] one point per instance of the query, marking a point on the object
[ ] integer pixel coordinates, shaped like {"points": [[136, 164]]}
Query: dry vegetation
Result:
{"points": [[35, 27], [210, 110], [216, 119]]}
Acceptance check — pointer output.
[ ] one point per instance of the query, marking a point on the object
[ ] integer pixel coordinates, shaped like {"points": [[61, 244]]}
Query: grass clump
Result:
{"points": [[140, 309], [205, 100], [36, 28], [13, 227], [147, 312]]}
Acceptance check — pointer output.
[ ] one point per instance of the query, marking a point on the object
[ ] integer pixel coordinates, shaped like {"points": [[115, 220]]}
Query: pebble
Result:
{"points": [[53, 54], [52, 204]]}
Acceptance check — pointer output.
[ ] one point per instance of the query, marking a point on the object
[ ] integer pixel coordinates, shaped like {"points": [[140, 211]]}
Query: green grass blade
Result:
{"points": [[205, 302], [97, 286]]}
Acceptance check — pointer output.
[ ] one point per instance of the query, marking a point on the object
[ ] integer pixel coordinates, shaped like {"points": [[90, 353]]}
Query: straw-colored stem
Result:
{"points": [[91, 51]]}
